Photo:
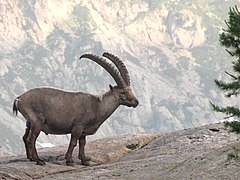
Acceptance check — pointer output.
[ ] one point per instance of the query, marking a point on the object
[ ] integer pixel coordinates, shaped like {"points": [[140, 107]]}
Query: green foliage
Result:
{"points": [[229, 110], [230, 39], [234, 126], [235, 154], [231, 88]]}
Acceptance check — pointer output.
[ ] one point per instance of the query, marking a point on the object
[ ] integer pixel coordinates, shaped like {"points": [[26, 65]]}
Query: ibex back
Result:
{"points": [[55, 111]]}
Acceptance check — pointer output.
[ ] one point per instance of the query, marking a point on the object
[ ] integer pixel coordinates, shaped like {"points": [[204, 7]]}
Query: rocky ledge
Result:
{"points": [[196, 153]]}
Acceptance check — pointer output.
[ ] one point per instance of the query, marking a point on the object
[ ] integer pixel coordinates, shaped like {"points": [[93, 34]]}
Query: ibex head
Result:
{"points": [[125, 95], [121, 77]]}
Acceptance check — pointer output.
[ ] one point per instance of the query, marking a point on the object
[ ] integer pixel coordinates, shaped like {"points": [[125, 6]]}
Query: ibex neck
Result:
{"points": [[108, 104]]}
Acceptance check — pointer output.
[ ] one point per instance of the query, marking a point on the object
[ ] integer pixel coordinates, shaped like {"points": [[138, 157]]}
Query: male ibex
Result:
{"points": [[55, 111]]}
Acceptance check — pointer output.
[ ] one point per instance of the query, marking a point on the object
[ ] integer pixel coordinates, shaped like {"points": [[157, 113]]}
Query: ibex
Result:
{"points": [[55, 111]]}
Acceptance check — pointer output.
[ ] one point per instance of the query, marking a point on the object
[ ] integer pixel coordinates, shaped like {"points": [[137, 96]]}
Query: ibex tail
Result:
{"points": [[15, 106]]}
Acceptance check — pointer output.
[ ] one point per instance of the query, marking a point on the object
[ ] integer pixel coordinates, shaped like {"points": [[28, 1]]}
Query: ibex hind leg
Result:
{"points": [[30, 137], [28, 124]]}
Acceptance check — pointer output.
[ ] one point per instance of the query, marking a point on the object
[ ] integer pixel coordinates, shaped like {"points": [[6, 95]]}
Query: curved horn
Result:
{"points": [[120, 65], [108, 67]]}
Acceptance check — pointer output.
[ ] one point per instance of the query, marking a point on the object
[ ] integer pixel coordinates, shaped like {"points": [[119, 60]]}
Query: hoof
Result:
{"points": [[87, 158], [40, 162], [32, 159], [85, 163], [69, 163]]}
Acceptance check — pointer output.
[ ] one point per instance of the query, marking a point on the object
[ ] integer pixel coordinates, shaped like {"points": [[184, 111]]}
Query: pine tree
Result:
{"points": [[230, 39]]}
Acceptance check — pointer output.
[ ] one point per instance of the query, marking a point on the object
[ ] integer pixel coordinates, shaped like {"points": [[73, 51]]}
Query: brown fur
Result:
{"points": [[55, 111]]}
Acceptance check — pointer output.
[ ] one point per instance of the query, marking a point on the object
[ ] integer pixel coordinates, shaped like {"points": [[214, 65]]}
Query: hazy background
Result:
{"points": [[170, 48]]}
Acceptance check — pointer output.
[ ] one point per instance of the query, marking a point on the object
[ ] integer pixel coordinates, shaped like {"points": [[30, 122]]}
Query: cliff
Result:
{"points": [[195, 153]]}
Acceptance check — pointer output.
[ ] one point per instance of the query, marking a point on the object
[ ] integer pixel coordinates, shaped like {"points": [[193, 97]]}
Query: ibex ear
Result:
{"points": [[110, 86]]}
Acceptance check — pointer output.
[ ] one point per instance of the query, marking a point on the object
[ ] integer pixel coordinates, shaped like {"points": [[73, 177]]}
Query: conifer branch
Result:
{"points": [[231, 53], [230, 39], [237, 9], [229, 110], [227, 117], [234, 77]]}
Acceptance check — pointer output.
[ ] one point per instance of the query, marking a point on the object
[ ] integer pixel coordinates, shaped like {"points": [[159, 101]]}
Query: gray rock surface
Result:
{"points": [[196, 153]]}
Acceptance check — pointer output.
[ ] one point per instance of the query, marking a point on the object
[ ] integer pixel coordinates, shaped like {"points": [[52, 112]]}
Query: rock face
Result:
{"points": [[197, 153], [170, 48]]}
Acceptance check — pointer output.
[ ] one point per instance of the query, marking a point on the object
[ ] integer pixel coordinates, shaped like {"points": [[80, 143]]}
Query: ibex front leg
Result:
{"points": [[76, 133], [81, 155]]}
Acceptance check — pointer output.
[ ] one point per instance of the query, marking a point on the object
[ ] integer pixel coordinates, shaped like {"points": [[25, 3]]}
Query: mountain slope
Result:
{"points": [[171, 50], [194, 153]]}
